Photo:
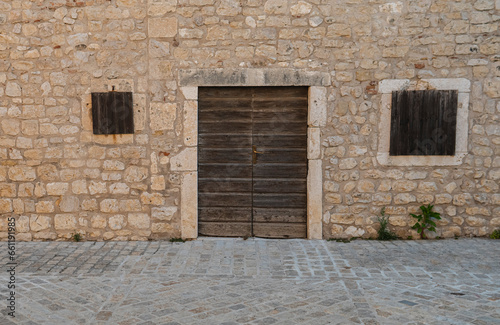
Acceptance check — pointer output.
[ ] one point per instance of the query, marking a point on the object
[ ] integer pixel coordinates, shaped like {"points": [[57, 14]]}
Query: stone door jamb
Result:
{"points": [[186, 161]]}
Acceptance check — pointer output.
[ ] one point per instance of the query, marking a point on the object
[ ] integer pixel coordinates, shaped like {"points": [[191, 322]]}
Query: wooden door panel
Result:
{"points": [[225, 199], [276, 185], [281, 128], [280, 141], [282, 116], [224, 162], [225, 214], [228, 114], [224, 141], [225, 155], [279, 200], [246, 194], [271, 155], [280, 230], [276, 215], [225, 128], [225, 170], [225, 229], [231, 185], [282, 171]]}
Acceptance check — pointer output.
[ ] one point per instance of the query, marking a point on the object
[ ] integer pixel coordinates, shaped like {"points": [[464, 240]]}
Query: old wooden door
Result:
{"points": [[252, 161]]}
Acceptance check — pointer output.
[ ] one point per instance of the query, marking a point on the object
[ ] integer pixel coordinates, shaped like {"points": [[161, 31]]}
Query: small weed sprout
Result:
{"points": [[495, 234], [425, 220], [383, 232], [76, 237]]}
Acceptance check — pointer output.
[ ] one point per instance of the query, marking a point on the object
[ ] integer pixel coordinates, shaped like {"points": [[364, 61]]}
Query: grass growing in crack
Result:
{"points": [[76, 237], [495, 234], [383, 232]]}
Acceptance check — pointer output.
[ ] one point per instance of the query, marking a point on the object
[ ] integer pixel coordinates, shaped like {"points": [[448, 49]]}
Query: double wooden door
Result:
{"points": [[252, 161]]}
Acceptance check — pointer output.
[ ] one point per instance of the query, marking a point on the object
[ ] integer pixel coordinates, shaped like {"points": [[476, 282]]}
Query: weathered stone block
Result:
{"points": [[135, 174], [44, 207], [162, 27], [109, 205], [158, 183], [474, 211], [161, 228], [429, 187], [152, 198], [22, 174], [64, 222], [13, 89], [22, 224], [462, 199], [186, 160], [6, 206], [11, 126], [7, 190], [57, 188], [342, 218], [382, 199], [333, 198], [162, 116], [365, 186], [443, 198], [69, 203], [404, 186], [117, 222], [38, 223], [139, 220], [475, 221], [404, 198], [79, 187], [130, 205], [47, 172], [89, 205], [98, 222], [97, 188]]}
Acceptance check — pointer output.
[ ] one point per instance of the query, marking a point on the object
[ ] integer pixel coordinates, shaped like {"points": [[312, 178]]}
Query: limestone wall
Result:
{"points": [[58, 178]]}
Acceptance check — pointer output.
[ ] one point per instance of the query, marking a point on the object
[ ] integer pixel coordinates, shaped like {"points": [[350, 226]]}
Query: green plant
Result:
{"points": [[383, 232], [76, 237], [425, 220], [495, 234], [177, 240]]}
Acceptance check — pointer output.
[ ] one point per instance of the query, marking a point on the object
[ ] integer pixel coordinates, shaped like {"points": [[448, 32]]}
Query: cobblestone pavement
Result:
{"points": [[256, 281]]}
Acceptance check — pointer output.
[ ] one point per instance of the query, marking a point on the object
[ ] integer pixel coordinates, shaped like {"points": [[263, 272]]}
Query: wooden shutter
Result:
{"points": [[112, 113], [423, 122]]}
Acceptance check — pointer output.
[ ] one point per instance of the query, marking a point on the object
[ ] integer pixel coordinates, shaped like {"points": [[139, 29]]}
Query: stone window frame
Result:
{"points": [[386, 87], [186, 161]]}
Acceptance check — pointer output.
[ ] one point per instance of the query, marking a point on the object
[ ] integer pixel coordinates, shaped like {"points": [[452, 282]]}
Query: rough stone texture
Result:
{"points": [[54, 54], [344, 280]]}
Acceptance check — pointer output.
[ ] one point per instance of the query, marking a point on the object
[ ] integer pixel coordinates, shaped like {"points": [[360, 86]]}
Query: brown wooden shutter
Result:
{"points": [[423, 122], [112, 113]]}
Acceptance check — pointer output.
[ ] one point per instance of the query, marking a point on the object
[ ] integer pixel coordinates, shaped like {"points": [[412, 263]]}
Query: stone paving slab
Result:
{"points": [[257, 281]]}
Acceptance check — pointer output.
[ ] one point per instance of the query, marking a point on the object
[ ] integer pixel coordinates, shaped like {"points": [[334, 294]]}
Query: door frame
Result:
{"points": [[186, 162]]}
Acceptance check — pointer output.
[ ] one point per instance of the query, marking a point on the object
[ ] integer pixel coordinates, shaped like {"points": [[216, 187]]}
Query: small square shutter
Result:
{"points": [[423, 122], [112, 113]]}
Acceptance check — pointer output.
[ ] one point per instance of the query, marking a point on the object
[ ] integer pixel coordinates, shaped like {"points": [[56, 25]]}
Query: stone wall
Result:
{"points": [[58, 178]]}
